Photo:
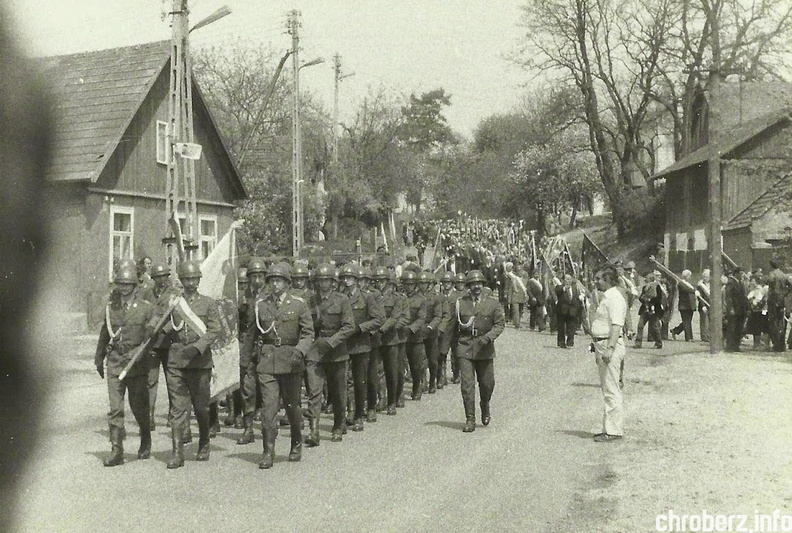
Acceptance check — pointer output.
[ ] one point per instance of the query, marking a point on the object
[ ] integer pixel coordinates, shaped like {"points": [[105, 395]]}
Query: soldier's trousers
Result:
{"points": [[335, 376], [375, 371], [159, 359], [432, 356], [357, 390], [250, 389], [402, 367], [390, 360], [416, 355], [190, 386], [138, 400], [481, 370], [286, 387]]}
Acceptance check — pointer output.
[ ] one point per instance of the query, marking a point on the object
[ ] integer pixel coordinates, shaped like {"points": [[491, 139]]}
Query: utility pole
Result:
{"points": [[297, 217], [715, 242], [338, 78]]}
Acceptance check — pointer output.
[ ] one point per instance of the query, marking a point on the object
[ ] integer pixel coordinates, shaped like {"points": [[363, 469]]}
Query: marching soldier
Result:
{"points": [[279, 336], [395, 317], [458, 292], [376, 372], [416, 354], [327, 358], [444, 328], [368, 315], [125, 327], [299, 284], [195, 326], [434, 315], [234, 399], [480, 321]]}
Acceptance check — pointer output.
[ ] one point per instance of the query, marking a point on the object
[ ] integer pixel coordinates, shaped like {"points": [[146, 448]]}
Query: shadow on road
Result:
{"points": [[591, 385], [456, 426], [576, 433]]}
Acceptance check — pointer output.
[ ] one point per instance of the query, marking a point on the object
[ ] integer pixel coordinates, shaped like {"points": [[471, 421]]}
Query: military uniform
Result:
{"points": [[279, 337], [416, 322], [480, 321], [434, 316], [444, 331]]}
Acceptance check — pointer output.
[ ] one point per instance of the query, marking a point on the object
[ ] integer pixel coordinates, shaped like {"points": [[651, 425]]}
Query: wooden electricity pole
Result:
{"points": [[297, 217], [715, 209]]}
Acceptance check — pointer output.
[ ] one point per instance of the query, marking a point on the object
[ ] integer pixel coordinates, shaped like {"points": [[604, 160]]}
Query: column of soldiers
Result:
{"points": [[353, 338]]}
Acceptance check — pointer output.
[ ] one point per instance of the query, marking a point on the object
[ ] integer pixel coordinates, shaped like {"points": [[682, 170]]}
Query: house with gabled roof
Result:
{"points": [[107, 180], [755, 147]]}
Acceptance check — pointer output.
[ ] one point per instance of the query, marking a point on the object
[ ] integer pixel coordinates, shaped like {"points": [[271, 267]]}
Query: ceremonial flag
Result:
{"points": [[592, 259], [218, 281]]}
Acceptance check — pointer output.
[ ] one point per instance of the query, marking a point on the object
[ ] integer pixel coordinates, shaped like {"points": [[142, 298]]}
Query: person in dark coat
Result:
{"points": [[735, 310], [686, 306], [569, 308]]}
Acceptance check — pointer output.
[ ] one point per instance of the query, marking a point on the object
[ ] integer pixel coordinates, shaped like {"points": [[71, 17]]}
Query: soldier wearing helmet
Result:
{"points": [[299, 285], [279, 335], [125, 327], [196, 325], [159, 296], [479, 321], [327, 358], [369, 316], [416, 353], [435, 312], [458, 292], [395, 314], [235, 416], [444, 329]]}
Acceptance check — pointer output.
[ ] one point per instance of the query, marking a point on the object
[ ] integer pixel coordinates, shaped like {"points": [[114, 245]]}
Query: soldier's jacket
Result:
{"points": [[375, 336], [279, 335], [333, 321], [401, 327], [416, 321], [369, 315], [246, 313], [476, 341], [445, 317], [305, 294], [434, 314], [160, 300], [453, 296], [396, 317], [129, 324], [185, 336]]}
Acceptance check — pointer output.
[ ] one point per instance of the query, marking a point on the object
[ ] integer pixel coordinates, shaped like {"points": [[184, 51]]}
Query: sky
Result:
{"points": [[401, 46]]}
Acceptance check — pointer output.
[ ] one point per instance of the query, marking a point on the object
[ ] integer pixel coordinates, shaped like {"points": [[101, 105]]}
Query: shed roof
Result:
{"points": [[729, 141], [778, 194], [97, 96]]}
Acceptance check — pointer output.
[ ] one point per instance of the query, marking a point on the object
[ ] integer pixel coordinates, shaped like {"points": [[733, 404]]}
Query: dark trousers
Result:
{"points": [[402, 368], [516, 313], [777, 327], [357, 383], [286, 387], [733, 332], [375, 372], [653, 320], [481, 370], [138, 401], [250, 389], [159, 359], [416, 356], [393, 371], [686, 325], [190, 387], [454, 357], [335, 376], [536, 320], [432, 355], [565, 332]]}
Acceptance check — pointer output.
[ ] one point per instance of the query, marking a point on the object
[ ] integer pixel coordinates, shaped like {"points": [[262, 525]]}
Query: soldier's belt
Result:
{"points": [[327, 333], [276, 342]]}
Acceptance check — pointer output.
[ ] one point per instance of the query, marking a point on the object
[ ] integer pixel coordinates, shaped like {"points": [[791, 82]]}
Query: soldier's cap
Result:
{"points": [[189, 269], [474, 276], [279, 270], [160, 269], [126, 263], [256, 265], [126, 275]]}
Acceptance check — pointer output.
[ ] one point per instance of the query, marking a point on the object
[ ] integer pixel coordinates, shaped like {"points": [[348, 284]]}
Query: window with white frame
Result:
{"points": [[208, 234], [121, 234], [162, 143]]}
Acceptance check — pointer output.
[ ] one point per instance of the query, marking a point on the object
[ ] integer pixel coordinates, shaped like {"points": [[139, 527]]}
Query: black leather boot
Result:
{"points": [[247, 435], [268, 459], [295, 454], [313, 435], [485, 413], [117, 454], [470, 425], [144, 452], [176, 458]]}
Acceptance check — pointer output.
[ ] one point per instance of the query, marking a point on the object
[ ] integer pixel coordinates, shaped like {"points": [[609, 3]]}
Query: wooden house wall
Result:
{"points": [[737, 245]]}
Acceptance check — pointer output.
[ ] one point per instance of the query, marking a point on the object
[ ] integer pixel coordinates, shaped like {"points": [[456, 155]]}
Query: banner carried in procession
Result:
{"points": [[218, 281]]}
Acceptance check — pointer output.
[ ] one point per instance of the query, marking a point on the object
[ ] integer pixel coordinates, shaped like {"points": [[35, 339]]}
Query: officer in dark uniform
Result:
{"points": [[395, 318], [416, 353], [125, 327], [251, 391], [368, 315], [480, 321], [434, 315], [377, 388], [401, 335], [444, 329], [159, 296], [327, 358], [459, 291], [195, 327], [279, 337]]}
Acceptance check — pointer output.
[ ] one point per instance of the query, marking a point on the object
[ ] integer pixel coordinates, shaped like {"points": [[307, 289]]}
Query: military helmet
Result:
{"points": [[350, 269], [365, 273], [279, 270], [256, 266], [447, 276], [473, 276], [299, 271], [381, 273], [160, 269], [126, 275], [460, 278], [426, 277], [409, 276], [325, 271], [242, 273], [126, 263], [189, 269]]}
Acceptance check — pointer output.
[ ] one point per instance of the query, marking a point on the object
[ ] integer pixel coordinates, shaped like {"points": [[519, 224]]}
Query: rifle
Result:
{"points": [[662, 268], [138, 352]]}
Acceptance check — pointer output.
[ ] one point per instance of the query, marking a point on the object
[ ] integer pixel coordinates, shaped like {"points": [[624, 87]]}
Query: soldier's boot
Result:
{"points": [[485, 413], [443, 381], [247, 435], [152, 424], [295, 453], [268, 458], [187, 437], [371, 415], [313, 435], [176, 458], [230, 418], [144, 452], [117, 451], [203, 451], [470, 425]]}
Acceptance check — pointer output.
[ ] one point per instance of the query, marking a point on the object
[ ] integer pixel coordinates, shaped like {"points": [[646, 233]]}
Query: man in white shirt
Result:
{"points": [[606, 332]]}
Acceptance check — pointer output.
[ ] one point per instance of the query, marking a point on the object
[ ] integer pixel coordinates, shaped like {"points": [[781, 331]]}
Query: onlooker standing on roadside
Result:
{"points": [[606, 332], [686, 305]]}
